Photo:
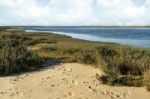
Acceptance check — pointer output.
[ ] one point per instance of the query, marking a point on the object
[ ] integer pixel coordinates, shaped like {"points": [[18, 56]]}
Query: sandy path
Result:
{"points": [[66, 81]]}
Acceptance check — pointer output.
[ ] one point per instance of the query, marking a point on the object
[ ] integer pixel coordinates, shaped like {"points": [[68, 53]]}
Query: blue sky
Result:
{"points": [[74, 12]]}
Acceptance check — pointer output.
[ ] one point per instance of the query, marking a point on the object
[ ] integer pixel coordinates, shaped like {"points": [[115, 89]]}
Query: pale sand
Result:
{"points": [[66, 81]]}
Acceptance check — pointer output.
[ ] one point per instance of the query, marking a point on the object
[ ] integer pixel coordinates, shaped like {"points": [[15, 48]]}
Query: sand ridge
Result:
{"points": [[65, 81]]}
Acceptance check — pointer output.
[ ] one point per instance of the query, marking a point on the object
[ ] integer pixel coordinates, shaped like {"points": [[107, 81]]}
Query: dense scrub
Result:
{"points": [[14, 56], [124, 60]]}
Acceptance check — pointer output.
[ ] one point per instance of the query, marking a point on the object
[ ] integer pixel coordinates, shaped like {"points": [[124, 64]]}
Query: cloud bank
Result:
{"points": [[74, 12]]}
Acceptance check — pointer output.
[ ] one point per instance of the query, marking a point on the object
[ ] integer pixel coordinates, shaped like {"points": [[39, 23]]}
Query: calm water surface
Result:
{"points": [[131, 36]]}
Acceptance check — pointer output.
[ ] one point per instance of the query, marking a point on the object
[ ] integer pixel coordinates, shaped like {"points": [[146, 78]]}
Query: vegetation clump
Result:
{"points": [[86, 56], [124, 66], [15, 57]]}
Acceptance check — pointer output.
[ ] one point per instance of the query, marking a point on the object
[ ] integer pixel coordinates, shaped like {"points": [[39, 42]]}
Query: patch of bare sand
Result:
{"points": [[65, 81]]}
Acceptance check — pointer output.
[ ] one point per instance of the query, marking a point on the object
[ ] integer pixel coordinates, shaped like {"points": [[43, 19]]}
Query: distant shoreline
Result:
{"points": [[91, 34], [78, 26]]}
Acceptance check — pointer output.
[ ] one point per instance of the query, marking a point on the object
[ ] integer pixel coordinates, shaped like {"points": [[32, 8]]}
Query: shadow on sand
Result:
{"points": [[50, 63]]}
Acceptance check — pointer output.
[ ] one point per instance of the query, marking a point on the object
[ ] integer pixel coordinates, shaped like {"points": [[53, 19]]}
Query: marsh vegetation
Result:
{"points": [[121, 64]]}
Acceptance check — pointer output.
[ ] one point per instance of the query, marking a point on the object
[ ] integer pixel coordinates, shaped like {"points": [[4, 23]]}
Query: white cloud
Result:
{"points": [[108, 3], [134, 11], [73, 12], [123, 8]]}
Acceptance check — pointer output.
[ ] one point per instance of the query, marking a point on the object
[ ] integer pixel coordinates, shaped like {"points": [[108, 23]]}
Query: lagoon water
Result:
{"points": [[139, 37]]}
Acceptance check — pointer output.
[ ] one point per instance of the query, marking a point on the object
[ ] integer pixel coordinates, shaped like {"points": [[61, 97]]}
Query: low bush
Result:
{"points": [[86, 56], [111, 78], [49, 48], [122, 80], [129, 63], [16, 58], [33, 42]]}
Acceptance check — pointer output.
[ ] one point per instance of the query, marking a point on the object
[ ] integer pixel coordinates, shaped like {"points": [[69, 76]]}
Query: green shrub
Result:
{"points": [[12, 40], [129, 61], [49, 48], [134, 60], [71, 50], [111, 77], [15, 59], [32, 42], [86, 56], [122, 80], [106, 52]]}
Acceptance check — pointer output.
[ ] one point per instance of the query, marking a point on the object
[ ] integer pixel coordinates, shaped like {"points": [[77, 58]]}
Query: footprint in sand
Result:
{"points": [[113, 94], [18, 78], [24, 75], [89, 87], [69, 94], [3, 92], [95, 83], [85, 83], [14, 79], [77, 77], [75, 82], [65, 81], [16, 92], [53, 85], [92, 89], [48, 77], [68, 69]]}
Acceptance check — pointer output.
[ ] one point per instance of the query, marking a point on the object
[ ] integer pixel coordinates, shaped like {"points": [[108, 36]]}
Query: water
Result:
{"points": [[139, 37]]}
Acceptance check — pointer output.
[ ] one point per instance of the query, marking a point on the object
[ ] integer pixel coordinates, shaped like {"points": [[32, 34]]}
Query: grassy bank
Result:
{"points": [[122, 65], [15, 57]]}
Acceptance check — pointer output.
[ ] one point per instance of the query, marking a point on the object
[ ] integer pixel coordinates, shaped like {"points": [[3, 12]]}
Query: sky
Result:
{"points": [[75, 12]]}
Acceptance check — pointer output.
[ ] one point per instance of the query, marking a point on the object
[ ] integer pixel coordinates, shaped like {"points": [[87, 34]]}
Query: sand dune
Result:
{"points": [[65, 81]]}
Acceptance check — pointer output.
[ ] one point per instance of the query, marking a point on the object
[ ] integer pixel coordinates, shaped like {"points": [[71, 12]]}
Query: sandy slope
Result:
{"points": [[66, 81]]}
